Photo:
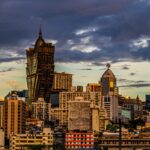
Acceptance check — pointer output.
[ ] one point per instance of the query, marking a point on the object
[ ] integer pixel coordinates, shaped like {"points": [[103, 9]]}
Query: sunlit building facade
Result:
{"points": [[14, 115]]}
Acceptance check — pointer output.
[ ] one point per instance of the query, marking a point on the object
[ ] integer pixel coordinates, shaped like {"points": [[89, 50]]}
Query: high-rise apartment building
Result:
{"points": [[62, 81], [14, 115], [65, 97], [40, 69], [41, 110], [79, 114]]}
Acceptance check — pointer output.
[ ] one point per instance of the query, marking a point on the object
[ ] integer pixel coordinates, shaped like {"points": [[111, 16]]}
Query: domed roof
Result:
{"points": [[108, 72]]}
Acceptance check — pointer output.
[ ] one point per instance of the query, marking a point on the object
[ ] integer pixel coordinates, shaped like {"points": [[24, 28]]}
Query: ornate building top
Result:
{"points": [[40, 41]]}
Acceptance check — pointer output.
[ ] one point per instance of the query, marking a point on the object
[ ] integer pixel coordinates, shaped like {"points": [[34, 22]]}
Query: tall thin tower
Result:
{"points": [[40, 69]]}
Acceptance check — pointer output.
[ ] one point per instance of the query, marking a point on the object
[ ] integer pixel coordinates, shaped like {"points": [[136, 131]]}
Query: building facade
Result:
{"points": [[147, 104], [62, 81], [93, 87], [79, 114], [41, 110], [65, 97], [40, 69], [14, 115], [25, 141], [1, 113], [79, 140]]}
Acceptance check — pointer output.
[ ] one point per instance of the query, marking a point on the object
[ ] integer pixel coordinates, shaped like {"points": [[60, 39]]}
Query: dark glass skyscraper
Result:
{"points": [[40, 69]]}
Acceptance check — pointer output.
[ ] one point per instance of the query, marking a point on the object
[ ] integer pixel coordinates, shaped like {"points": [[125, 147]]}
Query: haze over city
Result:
{"points": [[87, 35]]}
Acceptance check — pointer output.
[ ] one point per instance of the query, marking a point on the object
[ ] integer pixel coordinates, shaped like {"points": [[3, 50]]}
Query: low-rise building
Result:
{"points": [[25, 141], [79, 140]]}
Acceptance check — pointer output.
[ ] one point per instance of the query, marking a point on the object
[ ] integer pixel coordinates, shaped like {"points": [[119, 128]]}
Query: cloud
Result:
{"points": [[86, 30], [142, 42], [131, 81], [125, 67], [125, 83], [136, 85], [99, 30], [6, 70], [2, 60], [88, 69], [132, 74]]}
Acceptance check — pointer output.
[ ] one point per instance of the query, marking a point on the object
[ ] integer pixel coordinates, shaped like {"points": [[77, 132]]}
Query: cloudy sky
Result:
{"points": [[87, 35]]}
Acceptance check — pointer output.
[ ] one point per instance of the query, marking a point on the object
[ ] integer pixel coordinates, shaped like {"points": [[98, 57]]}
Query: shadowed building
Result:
{"points": [[40, 69]]}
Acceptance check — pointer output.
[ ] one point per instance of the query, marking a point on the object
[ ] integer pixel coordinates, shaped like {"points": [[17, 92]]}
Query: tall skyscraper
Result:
{"points": [[109, 94], [14, 115], [40, 69]]}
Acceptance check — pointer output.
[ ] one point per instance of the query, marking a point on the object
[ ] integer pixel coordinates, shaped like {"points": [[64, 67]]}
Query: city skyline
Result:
{"points": [[91, 34]]}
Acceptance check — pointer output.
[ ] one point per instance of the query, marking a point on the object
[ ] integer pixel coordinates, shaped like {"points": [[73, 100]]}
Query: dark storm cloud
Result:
{"points": [[115, 25], [11, 59]]}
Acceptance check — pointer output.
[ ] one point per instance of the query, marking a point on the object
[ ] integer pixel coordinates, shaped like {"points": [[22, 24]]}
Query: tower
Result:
{"points": [[108, 82], [109, 94], [40, 69]]}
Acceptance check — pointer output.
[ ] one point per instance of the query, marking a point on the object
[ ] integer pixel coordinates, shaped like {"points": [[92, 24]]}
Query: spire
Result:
{"points": [[40, 31], [39, 41]]}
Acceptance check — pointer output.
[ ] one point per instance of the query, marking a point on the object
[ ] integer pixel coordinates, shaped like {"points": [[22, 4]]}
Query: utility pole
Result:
{"points": [[120, 135]]}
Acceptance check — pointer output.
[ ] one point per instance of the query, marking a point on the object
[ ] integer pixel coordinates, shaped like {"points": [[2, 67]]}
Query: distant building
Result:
{"points": [[99, 119], [34, 122], [35, 141], [134, 105], [65, 97], [41, 110], [109, 94], [56, 114], [79, 140], [1, 113], [79, 114], [62, 81], [93, 87], [79, 88], [40, 69], [110, 104], [14, 115], [147, 104]]}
